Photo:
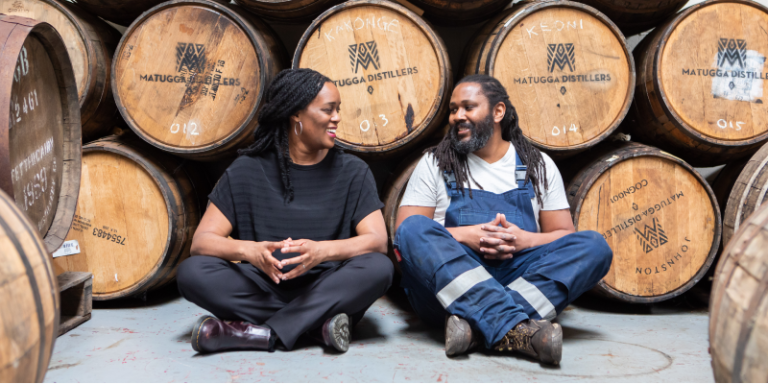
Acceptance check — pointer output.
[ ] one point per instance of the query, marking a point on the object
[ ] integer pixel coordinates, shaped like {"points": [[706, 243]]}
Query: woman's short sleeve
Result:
{"points": [[368, 201], [222, 198]]}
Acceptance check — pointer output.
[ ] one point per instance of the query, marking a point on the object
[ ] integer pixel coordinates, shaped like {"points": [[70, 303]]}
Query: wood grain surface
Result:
{"points": [[635, 16], [700, 83], [452, 13], [40, 130], [29, 299], [136, 215], [122, 12], [738, 310], [657, 214], [289, 11], [190, 76], [90, 44], [566, 68], [390, 67]]}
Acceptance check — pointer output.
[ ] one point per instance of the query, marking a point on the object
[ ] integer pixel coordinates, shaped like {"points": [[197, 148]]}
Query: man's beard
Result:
{"points": [[480, 134]]}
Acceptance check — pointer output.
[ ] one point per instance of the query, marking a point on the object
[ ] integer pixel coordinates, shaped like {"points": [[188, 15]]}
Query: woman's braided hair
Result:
{"points": [[450, 160], [290, 92]]}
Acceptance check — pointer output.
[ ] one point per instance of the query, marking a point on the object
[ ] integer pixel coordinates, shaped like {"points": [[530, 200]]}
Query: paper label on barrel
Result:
{"points": [[71, 247], [385, 68], [714, 78], [657, 218]]}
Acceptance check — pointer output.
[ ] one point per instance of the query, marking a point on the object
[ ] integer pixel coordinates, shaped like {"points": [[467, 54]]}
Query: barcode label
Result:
{"points": [[69, 248]]}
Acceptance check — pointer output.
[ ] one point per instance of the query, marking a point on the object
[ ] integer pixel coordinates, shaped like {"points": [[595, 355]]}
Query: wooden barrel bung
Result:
{"points": [[635, 16], [390, 67], [738, 310], [136, 215], [699, 89], [567, 70], [90, 43], [190, 77], [40, 127], [453, 12], [122, 12], [658, 215], [29, 299], [291, 11]]}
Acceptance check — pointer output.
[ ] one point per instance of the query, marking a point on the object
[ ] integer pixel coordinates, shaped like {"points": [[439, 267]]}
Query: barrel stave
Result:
{"points": [[453, 13], [635, 16], [292, 11], [29, 301]]}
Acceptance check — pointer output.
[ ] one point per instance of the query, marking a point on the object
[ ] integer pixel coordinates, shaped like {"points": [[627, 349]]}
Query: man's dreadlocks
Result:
{"points": [[290, 92], [448, 159]]}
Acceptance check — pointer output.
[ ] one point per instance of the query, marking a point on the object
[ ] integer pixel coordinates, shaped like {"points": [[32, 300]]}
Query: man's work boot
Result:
{"points": [[333, 333], [213, 335], [539, 339], [458, 336]]}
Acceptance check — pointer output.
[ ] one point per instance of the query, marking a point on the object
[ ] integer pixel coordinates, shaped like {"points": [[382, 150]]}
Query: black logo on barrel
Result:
{"points": [[734, 51], [561, 55], [364, 54], [190, 56], [651, 237]]}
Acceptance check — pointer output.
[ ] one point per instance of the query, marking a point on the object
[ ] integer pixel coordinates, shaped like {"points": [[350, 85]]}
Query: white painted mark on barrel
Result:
{"points": [[367, 126], [734, 82], [558, 27]]}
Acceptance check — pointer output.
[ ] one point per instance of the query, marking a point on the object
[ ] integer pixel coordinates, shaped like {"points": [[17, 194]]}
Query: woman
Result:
{"points": [[290, 184]]}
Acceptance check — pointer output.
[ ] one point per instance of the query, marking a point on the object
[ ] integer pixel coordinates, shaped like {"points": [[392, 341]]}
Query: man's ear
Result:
{"points": [[499, 111]]}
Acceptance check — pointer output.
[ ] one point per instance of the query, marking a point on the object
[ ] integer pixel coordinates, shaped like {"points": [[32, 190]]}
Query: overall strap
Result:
{"points": [[520, 171], [450, 184]]}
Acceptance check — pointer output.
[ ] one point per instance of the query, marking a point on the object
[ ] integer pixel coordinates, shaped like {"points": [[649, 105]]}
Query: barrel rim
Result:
{"points": [[589, 174], [527, 9], [748, 175], [122, 149], [677, 120], [440, 104], [260, 47], [47, 35]]}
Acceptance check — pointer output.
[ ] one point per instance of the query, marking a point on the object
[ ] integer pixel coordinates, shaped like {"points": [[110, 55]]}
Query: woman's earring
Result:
{"points": [[294, 128]]}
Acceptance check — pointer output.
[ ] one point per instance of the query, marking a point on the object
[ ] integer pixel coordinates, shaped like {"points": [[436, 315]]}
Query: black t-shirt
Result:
{"points": [[330, 199]]}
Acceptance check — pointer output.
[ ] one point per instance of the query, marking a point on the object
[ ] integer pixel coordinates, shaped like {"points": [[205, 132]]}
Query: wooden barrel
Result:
{"points": [[459, 12], [699, 89], [738, 310], [29, 299], [39, 127], [570, 92], [90, 43], [635, 16], [393, 195], [749, 192], [290, 11], [122, 12], [391, 69], [136, 215], [658, 215], [190, 76]]}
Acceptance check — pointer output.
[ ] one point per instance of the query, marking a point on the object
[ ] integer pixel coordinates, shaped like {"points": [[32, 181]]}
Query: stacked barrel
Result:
{"points": [[182, 86]]}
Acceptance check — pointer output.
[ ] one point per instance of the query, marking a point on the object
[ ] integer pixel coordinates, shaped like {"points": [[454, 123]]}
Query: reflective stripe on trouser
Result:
{"points": [[441, 276]]}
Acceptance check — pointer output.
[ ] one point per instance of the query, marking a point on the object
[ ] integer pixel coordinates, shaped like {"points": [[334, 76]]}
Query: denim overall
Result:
{"points": [[442, 276]]}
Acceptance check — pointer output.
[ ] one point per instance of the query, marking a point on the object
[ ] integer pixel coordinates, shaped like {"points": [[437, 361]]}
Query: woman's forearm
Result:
{"points": [[211, 244], [339, 250]]}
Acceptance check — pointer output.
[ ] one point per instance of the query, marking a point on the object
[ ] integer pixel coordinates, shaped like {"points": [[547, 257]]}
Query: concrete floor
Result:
{"points": [[136, 341]]}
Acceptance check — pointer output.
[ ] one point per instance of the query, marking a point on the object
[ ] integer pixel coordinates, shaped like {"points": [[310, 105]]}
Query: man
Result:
{"points": [[485, 238]]}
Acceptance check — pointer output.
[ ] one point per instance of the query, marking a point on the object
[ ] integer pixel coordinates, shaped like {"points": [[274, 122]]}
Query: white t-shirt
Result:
{"points": [[426, 187]]}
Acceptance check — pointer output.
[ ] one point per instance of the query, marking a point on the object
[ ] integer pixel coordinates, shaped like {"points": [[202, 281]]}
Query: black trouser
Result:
{"points": [[242, 292]]}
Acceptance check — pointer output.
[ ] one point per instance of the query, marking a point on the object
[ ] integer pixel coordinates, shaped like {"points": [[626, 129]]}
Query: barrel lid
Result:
{"points": [[189, 75], [659, 217], [567, 70], [711, 71], [389, 66]]}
